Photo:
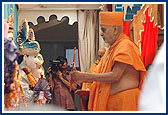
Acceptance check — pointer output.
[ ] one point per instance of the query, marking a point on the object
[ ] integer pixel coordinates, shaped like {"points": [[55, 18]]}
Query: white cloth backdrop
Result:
{"points": [[88, 37]]}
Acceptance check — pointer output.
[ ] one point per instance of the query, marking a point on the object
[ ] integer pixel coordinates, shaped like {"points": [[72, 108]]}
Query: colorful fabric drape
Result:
{"points": [[126, 28], [7, 11], [149, 39]]}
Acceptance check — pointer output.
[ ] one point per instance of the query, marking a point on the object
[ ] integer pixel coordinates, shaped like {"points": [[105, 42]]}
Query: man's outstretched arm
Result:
{"points": [[111, 77]]}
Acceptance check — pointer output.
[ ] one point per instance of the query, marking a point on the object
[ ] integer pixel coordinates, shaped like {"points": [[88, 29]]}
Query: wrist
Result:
{"points": [[87, 77], [84, 76]]}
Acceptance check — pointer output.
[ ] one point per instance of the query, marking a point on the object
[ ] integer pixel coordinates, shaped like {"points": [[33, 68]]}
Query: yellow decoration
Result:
{"points": [[31, 79], [31, 31]]}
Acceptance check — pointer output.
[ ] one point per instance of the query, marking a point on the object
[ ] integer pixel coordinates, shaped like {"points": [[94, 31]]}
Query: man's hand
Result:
{"points": [[77, 77]]}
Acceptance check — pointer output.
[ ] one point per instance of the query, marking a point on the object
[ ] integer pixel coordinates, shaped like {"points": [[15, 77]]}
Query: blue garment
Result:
{"points": [[9, 65]]}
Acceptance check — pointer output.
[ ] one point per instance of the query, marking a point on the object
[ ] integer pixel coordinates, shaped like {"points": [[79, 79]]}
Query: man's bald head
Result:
{"points": [[111, 26], [101, 52]]}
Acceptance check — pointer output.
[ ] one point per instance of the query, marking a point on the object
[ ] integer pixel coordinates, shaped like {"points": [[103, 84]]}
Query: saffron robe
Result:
{"points": [[85, 86], [92, 69], [125, 51], [126, 100]]}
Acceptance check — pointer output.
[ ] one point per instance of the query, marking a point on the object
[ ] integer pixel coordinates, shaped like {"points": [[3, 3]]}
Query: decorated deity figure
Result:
{"points": [[27, 52], [22, 37], [9, 67], [12, 86], [42, 89], [10, 22], [39, 70], [27, 63]]}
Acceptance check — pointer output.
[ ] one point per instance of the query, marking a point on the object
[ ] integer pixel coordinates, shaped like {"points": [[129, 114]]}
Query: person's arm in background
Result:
{"points": [[50, 78], [67, 83]]}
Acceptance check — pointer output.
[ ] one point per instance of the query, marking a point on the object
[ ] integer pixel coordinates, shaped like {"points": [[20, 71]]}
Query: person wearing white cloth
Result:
{"points": [[153, 95]]}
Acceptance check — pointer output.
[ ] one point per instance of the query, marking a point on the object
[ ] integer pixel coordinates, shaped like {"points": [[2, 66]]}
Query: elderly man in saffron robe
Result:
{"points": [[120, 73]]}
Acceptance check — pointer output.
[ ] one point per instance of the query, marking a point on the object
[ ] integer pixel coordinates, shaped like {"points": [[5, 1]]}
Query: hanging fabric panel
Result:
{"points": [[126, 28], [7, 11], [149, 39]]}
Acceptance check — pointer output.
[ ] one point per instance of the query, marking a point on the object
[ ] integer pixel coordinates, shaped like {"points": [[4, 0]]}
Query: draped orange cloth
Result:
{"points": [[124, 101], [125, 51], [92, 69], [86, 86]]}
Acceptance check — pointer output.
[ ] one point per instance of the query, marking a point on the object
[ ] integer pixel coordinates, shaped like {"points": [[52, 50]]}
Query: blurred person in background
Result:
{"points": [[153, 95], [59, 80]]}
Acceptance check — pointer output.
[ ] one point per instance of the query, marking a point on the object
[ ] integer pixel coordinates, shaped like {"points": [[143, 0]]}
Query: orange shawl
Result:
{"points": [[92, 69], [123, 50]]}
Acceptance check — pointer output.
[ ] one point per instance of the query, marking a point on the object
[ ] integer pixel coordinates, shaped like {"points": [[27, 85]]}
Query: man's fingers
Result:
{"points": [[74, 77]]}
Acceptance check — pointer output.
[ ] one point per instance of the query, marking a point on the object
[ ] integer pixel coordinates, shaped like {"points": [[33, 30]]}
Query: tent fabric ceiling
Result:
{"points": [[55, 30], [58, 6]]}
